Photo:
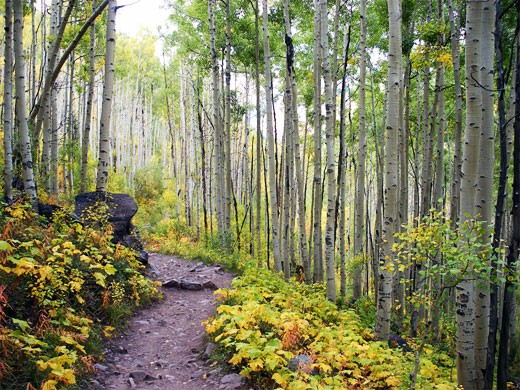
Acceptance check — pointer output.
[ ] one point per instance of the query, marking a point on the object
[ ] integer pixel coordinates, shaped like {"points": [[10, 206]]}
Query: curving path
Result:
{"points": [[164, 346]]}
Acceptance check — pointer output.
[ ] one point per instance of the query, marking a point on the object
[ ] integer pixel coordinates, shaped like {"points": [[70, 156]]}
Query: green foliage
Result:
{"points": [[149, 184], [463, 251], [62, 288]]}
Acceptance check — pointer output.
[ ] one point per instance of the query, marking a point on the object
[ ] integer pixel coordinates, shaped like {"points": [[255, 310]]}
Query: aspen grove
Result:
{"points": [[362, 156]]}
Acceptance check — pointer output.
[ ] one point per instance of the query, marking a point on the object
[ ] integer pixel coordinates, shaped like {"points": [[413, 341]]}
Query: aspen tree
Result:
{"points": [[427, 145], [8, 102], [219, 189], [439, 171], [362, 146], [258, 140], [343, 154], [318, 202], [485, 188], [106, 111], [21, 114], [295, 142], [88, 112], [457, 149], [270, 142], [286, 186], [227, 133], [331, 179], [466, 375], [391, 168]]}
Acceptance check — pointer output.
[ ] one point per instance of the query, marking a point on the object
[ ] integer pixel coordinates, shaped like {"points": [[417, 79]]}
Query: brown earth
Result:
{"points": [[165, 345]]}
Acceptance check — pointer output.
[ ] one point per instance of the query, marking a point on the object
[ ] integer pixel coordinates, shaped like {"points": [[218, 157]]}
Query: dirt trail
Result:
{"points": [[164, 343]]}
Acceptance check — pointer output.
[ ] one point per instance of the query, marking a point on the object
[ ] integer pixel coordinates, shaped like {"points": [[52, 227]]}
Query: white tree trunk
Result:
{"points": [[106, 110], [466, 375], [318, 203], [391, 168], [330, 136], [486, 164], [362, 146], [21, 114], [8, 102], [88, 114], [270, 142]]}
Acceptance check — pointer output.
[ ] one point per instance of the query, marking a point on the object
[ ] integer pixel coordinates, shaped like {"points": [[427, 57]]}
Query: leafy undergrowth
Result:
{"points": [[63, 289], [264, 321]]}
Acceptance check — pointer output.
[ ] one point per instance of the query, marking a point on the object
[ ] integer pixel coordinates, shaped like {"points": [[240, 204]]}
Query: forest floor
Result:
{"points": [[165, 345]]}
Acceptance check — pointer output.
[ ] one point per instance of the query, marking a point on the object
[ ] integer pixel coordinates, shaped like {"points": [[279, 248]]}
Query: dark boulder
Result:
{"points": [[117, 209], [47, 210]]}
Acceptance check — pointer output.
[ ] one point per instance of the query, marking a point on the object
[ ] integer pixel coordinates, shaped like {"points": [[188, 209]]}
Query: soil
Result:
{"points": [[164, 346]]}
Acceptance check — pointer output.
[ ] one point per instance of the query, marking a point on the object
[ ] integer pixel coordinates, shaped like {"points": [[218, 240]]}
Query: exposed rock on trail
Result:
{"points": [[164, 346]]}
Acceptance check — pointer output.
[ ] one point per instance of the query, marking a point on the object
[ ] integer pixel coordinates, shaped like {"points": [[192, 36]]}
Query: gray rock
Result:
{"points": [[210, 348], [172, 283], [210, 285], [100, 367], [154, 270], [197, 374], [197, 267], [300, 363], [132, 383], [188, 284], [232, 381], [161, 363], [141, 376]]}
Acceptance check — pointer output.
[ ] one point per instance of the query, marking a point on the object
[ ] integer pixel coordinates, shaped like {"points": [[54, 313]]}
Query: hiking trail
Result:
{"points": [[165, 345]]}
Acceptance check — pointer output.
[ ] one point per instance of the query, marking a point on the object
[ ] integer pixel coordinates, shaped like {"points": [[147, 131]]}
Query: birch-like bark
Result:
{"points": [[295, 142], [227, 133], [318, 201], [54, 131], [362, 147], [330, 165], [438, 192], [270, 142], [258, 141], [343, 165], [465, 317], [54, 179], [427, 147], [21, 114], [457, 148], [485, 188], [90, 97], [56, 32], [106, 109], [219, 190], [391, 169], [8, 102]]}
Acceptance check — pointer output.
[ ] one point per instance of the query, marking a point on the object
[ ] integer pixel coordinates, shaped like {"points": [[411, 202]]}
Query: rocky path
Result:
{"points": [[164, 346]]}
